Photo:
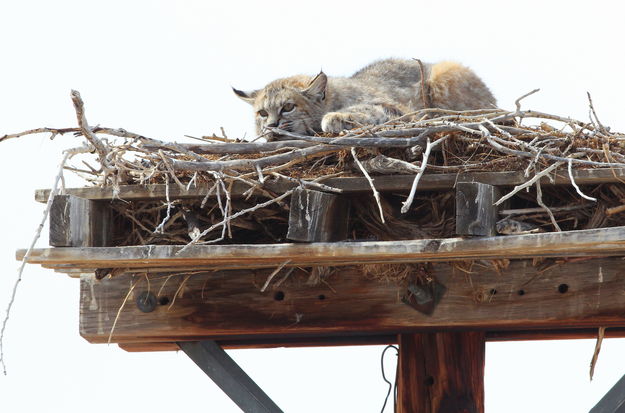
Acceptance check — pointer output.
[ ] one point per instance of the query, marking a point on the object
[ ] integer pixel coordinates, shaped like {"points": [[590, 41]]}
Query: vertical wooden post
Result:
{"points": [[475, 212], [441, 373], [317, 216], [78, 222]]}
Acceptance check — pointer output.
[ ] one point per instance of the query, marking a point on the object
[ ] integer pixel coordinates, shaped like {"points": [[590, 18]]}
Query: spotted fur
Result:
{"points": [[375, 94]]}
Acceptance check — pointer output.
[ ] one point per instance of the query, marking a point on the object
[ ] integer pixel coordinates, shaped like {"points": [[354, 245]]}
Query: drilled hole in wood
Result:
{"points": [[163, 300], [562, 288], [521, 292], [278, 296], [322, 297], [429, 381]]}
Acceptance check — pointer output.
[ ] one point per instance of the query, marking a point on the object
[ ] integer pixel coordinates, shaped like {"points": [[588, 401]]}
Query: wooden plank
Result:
{"points": [[230, 378], [78, 222], [379, 339], [475, 210], [316, 216], [228, 305], [393, 183], [441, 373], [551, 334], [583, 243], [230, 344]]}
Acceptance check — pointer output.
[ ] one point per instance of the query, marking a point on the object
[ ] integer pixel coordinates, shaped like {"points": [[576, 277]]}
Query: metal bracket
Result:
{"points": [[424, 295], [226, 373]]}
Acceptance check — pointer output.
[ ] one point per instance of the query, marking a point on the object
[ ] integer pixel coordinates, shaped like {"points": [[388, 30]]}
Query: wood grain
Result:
{"points": [[475, 212], [348, 185], [316, 216], [78, 222], [228, 305], [582, 243], [382, 339], [441, 372]]}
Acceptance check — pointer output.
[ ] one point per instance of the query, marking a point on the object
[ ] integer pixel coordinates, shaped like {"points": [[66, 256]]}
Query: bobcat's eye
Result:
{"points": [[288, 107], [262, 113]]}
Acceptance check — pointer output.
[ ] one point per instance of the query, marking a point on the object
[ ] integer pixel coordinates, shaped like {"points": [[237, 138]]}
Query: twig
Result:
{"points": [[55, 186], [160, 227], [615, 210], [311, 184], [579, 191], [230, 148], [287, 273], [376, 194], [383, 164], [529, 183], [52, 131], [539, 201], [592, 109], [233, 216], [259, 171], [250, 164], [525, 211], [171, 171], [595, 355], [408, 202], [86, 130], [273, 274], [180, 288], [121, 307], [517, 102]]}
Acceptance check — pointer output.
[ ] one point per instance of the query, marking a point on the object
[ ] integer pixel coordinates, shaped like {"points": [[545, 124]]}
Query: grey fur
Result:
{"points": [[375, 94]]}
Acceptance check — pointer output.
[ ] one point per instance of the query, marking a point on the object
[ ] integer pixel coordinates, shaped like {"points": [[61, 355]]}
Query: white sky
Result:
{"points": [[164, 69]]}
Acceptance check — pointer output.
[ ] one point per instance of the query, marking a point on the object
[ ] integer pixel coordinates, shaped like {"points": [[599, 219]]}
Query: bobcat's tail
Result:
{"points": [[456, 87]]}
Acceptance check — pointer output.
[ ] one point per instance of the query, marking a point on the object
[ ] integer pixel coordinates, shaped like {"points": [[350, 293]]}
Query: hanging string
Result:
{"points": [[391, 386]]}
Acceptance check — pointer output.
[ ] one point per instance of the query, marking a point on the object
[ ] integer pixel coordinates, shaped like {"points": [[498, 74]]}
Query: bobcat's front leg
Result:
{"points": [[358, 115]]}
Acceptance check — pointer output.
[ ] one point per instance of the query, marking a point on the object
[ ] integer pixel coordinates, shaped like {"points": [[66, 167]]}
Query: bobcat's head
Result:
{"points": [[295, 104]]}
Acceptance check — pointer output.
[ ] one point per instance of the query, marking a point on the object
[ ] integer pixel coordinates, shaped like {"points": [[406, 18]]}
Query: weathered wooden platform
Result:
{"points": [[348, 185], [167, 258], [228, 305], [465, 290], [214, 291]]}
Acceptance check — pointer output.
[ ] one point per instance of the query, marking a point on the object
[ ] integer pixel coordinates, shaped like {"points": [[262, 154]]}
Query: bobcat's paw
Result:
{"points": [[335, 122]]}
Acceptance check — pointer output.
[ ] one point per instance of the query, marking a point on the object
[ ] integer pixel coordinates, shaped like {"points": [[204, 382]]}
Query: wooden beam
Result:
{"points": [[230, 344], [380, 339], [583, 243], [230, 378], [228, 305], [316, 216], [349, 185], [475, 210], [613, 401], [78, 222], [441, 373]]}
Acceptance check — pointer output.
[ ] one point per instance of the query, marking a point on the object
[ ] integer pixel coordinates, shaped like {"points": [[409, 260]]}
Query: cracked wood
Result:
{"points": [[228, 305]]}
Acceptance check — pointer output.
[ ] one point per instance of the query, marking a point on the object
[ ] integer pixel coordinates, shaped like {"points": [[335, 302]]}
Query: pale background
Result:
{"points": [[164, 69]]}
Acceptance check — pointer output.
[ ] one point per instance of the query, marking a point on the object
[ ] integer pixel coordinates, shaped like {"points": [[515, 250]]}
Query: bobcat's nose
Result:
{"points": [[273, 124]]}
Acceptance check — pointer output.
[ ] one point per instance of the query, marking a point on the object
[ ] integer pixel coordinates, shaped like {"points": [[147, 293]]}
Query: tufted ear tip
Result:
{"points": [[248, 97], [317, 86]]}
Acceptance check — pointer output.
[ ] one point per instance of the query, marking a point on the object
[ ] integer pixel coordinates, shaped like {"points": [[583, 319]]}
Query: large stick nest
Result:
{"points": [[428, 141]]}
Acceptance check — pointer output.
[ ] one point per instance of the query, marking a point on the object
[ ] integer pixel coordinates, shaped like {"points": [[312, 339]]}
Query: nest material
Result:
{"points": [[428, 141]]}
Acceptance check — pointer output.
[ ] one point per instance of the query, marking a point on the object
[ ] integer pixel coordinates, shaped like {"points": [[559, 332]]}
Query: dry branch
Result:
{"points": [[67, 154], [475, 140]]}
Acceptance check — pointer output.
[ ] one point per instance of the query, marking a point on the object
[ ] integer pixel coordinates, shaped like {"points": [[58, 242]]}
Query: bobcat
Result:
{"points": [[375, 94]]}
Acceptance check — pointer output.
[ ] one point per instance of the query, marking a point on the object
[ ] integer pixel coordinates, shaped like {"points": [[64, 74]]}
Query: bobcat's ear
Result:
{"points": [[248, 97], [317, 86]]}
